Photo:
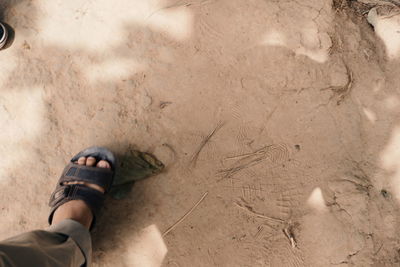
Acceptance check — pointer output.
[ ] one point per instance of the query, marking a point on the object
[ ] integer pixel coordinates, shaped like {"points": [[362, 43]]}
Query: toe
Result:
{"points": [[103, 164], [82, 161], [90, 161]]}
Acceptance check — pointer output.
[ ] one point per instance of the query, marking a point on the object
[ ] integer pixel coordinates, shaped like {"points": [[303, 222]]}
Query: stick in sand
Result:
{"points": [[184, 216], [288, 233]]}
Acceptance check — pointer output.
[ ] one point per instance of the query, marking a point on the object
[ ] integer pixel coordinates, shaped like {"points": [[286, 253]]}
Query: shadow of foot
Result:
{"points": [[119, 211], [134, 166]]}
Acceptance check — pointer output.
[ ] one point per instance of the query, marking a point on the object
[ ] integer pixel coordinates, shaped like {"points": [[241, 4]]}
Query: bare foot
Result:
{"points": [[78, 210]]}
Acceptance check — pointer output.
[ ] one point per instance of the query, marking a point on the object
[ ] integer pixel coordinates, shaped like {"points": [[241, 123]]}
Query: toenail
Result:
{"points": [[103, 164], [90, 161], [82, 161]]}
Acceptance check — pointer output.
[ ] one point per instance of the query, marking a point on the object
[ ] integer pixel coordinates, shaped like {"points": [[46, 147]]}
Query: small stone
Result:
{"points": [[26, 46], [385, 193]]}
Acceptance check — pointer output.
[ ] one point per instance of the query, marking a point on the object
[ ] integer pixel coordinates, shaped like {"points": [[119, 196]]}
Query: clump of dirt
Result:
{"points": [[362, 7]]}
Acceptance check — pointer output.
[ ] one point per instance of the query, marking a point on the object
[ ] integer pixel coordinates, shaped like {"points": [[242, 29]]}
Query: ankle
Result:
{"points": [[76, 210]]}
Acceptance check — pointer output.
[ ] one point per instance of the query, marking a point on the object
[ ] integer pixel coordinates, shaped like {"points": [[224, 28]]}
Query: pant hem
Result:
{"points": [[78, 233]]}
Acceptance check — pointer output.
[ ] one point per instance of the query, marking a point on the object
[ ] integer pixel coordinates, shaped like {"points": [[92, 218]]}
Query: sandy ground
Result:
{"points": [[284, 115]]}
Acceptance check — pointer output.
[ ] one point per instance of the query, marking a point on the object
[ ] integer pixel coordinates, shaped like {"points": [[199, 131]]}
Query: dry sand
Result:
{"points": [[285, 112]]}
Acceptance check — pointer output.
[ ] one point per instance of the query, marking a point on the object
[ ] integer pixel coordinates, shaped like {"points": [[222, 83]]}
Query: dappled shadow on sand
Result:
{"points": [[274, 75]]}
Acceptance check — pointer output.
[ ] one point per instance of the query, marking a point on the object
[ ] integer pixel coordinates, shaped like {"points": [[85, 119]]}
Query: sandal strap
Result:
{"points": [[65, 193], [93, 175]]}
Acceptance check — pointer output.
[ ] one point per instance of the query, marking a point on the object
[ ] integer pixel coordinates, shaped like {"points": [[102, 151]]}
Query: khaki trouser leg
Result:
{"points": [[66, 244]]}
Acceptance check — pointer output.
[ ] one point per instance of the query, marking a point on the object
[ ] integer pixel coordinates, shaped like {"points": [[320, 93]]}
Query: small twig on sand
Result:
{"points": [[179, 3], [289, 234], [228, 173], [259, 215], [342, 91], [195, 156], [259, 152], [187, 214], [244, 161], [274, 153], [379, 249]]}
